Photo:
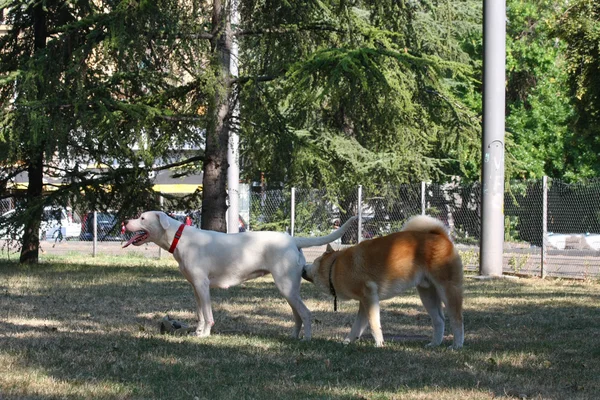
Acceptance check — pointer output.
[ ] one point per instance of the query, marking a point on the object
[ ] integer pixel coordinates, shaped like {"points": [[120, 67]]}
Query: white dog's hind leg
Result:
{"points": [[204, 309], [289, 286], [297, 322], [359, 326], [433, 304], [301, 316]]}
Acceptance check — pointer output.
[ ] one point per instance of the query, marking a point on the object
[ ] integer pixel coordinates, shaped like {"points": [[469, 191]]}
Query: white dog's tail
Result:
{"points": [[302, 242], [424, 223]]}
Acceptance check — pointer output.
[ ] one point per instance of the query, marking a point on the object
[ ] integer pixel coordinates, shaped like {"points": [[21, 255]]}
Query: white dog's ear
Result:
{"points": [[329, 249], [164, 220]]}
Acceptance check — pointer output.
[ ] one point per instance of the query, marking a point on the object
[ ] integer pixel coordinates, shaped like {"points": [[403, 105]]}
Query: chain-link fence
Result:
{"points": [[551, 227], [562, 241], [64, 231], [6, 205]]}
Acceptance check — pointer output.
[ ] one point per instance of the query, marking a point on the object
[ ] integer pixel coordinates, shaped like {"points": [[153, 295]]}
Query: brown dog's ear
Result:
{"points": [[329, 249]]}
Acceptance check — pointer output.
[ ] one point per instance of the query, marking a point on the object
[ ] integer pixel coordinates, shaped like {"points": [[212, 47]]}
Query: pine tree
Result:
{"points": [[339, 93], [90, 83], [331, 93]]}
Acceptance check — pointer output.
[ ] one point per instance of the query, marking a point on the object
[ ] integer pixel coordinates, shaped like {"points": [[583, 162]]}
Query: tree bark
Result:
{"points": [[31, 232], [214, 183], [214, 193]]}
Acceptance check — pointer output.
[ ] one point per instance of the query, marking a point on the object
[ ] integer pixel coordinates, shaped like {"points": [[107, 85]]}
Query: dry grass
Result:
{"points": [[89, 329]]}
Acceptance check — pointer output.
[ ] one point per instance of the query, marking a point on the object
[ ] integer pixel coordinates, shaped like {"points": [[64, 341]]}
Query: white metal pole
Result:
{"points": [[161, 202], [95, 230], [544, 265], [233, 184], [360, 238], [492, 208], [293, 212], [423, 198], [233, 156], [249, 197]]}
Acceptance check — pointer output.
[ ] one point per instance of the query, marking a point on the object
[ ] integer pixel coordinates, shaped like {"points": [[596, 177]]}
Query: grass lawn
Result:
{"points": [[79, 327]]}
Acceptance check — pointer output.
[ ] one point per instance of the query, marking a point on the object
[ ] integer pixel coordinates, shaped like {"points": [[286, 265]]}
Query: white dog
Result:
{"points": [[214, 259]]}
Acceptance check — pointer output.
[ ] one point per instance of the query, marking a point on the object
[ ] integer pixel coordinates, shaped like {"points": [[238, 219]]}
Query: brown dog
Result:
{"points": [[421, 255]]}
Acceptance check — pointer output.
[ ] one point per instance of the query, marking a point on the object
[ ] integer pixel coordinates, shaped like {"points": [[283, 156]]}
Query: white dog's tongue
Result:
{"points": [[136, 238]]}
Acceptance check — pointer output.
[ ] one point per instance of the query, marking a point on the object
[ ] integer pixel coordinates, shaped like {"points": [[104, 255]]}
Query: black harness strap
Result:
{"points": [[331, 288]]}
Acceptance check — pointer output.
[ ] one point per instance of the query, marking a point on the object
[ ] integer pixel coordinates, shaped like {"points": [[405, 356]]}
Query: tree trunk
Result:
{"points": [[214, 183], [214, 193], [31, 231]]}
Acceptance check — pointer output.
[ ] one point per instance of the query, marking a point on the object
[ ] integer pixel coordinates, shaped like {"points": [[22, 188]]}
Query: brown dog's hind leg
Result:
{"points": [[454, 307], [433, 304]]}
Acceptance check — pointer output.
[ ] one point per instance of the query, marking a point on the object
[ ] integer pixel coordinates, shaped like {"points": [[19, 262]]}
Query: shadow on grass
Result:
{"points": [[90, 326]]}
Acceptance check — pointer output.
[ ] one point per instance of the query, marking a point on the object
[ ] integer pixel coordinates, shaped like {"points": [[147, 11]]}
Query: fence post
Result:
{"points": [[293, 212], [423, 198], [359, 206], [161, 202], [95, 241], [544, 226]]}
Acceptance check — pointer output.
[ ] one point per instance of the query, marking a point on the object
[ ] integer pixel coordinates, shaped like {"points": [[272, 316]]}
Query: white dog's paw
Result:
{"points": [[346, 342], [296, 334], [202, 333]]}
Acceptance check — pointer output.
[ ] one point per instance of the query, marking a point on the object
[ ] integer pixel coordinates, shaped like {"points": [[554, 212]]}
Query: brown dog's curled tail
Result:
{"points": [[424, 223]]}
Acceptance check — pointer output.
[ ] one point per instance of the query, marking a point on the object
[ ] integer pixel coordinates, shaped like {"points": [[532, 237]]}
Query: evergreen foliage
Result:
{"points": [[90, 95], [538, 109], [579, 27], [358, 93]]}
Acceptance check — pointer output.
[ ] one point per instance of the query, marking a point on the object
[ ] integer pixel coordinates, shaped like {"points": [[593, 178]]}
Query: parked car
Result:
{"points": [[57, 223], [107, 229], [370, 228], [242, 224], [60, 223], [178, 215], [196, 219]]}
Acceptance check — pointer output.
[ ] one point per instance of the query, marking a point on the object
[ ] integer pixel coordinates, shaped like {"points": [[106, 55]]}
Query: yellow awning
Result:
{"points": [[176, 188], [24, 185]]}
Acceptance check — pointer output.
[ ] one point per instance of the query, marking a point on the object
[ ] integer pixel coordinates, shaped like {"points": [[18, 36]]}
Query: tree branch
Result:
{"points": [[289, 29], [179, 163], [245, 79]]}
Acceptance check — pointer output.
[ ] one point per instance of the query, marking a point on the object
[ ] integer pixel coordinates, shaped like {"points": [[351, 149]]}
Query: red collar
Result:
{"points": [[176, 238]]}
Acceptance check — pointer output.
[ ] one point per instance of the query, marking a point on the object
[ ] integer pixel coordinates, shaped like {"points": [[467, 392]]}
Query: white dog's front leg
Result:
{"points": [[204, 309]]}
